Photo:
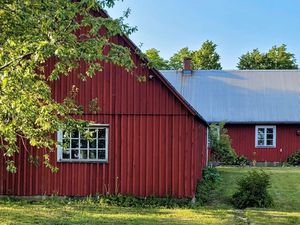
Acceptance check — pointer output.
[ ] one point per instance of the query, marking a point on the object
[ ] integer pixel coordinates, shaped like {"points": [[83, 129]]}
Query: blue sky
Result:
{"points": [[236, 26]]}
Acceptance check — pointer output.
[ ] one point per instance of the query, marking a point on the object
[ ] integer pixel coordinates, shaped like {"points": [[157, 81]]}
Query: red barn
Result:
{"points": [[261, 108], [148, 141]]}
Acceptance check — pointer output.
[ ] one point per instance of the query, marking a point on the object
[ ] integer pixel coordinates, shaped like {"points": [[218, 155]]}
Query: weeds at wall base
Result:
{"points": [[107, 200]]}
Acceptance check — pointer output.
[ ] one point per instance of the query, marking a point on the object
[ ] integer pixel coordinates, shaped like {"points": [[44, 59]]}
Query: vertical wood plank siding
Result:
{"points": [[243, 141], [156, 146]]}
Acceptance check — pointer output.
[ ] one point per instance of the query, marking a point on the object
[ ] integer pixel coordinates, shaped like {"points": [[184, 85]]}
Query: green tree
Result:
{"points": [[31, 33], [275, 58], [220, 144], [252, 60], [156, 60], [176, 60], [206, 58], [279, 58]]}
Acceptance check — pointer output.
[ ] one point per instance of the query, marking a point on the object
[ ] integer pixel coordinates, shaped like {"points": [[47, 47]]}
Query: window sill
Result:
{"points": [[265, 146]]}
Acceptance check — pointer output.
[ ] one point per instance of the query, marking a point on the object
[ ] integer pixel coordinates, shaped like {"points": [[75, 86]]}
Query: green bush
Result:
{"points": [[294, 159], [241, 161], [220, 144], [150, 202], [110, 200], [253, 191], [206, 186], [211, 174]]}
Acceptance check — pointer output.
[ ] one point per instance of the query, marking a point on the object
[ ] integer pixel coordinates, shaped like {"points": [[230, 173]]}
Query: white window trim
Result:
{"points": [[265, 137], [60, 148]]}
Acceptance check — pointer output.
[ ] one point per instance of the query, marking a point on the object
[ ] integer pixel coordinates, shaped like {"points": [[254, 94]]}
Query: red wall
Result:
{"points": [[156, 146], [243, 141]]}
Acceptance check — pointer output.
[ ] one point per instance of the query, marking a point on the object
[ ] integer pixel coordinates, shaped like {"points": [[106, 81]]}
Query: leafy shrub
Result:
{"points": [[206, 186], [242, 161], [151, 202], [253, 191], [294, 159], [110, 200], [204, 191], [211, 174], [220, 144]]}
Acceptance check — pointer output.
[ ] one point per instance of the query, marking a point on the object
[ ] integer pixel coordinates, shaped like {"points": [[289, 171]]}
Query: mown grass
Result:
{"points": [[285, 190], [91, 213]]}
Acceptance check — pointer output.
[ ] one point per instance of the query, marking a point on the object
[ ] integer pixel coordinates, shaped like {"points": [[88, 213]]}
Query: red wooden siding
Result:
{"points": [[148, 155], [156, 145], [243, 141]]}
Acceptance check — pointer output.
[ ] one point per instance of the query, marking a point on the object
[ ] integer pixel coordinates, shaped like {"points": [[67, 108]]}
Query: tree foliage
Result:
{"points": [[206, 58], [175, 62], [276, 58], [31, 33], [220, 144], [156, 60], [252, 60]]}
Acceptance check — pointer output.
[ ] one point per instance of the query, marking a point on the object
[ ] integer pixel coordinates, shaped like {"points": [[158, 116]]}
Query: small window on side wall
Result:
{"points": [[75, 147], [265, 136]]}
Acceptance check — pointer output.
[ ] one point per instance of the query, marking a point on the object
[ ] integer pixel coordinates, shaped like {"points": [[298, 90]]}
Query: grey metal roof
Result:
{"points": [[241, 96]]}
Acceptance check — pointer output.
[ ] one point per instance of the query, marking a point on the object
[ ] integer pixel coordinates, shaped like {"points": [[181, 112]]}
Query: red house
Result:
{"points": [[261, 108], [148, 140]]}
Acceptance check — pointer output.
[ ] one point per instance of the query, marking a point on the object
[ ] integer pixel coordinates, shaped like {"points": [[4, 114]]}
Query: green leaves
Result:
{"points": [[32, 33], [220, 144], [205, 58], [176, 60], [275, 58], [156, 60]]}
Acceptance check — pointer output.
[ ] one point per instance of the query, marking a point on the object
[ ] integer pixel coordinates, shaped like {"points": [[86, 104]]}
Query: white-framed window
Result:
{"points": [[265, 136], [75, 147]]}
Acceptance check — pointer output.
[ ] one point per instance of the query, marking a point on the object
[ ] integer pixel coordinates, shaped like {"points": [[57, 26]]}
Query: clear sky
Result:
{"points": [[236, 26]]}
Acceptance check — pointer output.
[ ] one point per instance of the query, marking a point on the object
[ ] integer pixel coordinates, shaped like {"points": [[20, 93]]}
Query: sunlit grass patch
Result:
{"points": [[264, 217], [74, 213]]}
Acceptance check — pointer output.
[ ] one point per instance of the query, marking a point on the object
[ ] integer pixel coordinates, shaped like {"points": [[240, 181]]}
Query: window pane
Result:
{"points": [[83, 143], [75, 134], [260, 131], [94, 133], [75, 143], [66, 154], [101, 143], [92, 143], [101, 133], [269, 136], [269, 130], [66, 134], [83, 154], [269, 142], [92, 154], [75, 154], [66, 143], [260, 142], [101, 154]]}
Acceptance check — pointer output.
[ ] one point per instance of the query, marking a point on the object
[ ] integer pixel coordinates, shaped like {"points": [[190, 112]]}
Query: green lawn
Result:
{"points": [[285, 190]]}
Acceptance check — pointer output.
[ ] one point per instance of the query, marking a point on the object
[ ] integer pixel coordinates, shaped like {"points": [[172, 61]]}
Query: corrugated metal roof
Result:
{"points": [[241, 96]]}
